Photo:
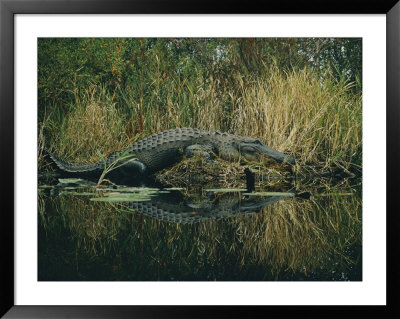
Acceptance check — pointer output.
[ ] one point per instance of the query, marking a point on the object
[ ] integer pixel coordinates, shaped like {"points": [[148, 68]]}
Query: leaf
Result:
{"points": [[334, 194], [101, 155], [76, 193], [121, 199], [225, 190], [100, 216], [70, 180]]}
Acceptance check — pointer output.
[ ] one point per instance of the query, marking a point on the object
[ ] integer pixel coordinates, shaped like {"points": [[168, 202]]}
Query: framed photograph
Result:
{"points": [[160, 156]]}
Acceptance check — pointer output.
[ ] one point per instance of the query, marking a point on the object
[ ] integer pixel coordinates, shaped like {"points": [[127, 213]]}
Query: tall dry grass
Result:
{"points": [[94, 123], [297, 113]]}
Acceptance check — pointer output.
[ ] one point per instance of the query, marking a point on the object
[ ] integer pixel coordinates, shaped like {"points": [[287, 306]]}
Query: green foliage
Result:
{"points": [[145, 66]]}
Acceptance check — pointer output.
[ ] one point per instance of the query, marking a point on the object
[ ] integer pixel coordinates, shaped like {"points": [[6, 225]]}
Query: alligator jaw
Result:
{"points": [[280, 157]]}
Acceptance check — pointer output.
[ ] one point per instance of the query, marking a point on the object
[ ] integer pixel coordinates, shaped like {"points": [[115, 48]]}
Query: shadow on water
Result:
{"points": [[152, 233]]}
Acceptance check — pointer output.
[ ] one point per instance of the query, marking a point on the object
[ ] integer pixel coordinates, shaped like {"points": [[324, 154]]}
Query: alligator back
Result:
{"points": [[156, 151], [163, 149]]}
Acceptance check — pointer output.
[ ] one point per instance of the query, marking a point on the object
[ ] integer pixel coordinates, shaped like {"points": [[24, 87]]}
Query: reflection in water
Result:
{"points": [[174, 207], [170, 235]]}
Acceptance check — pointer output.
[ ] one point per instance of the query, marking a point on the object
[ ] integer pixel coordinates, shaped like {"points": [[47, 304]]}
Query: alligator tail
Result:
{"points": [[86, 168]]}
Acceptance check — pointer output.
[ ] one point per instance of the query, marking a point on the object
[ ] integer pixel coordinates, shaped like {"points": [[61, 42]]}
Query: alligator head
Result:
{"points": [[253, 150], [234, 147]]}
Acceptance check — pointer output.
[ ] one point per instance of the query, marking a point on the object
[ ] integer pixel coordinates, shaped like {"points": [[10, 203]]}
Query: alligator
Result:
{"points": [[161, 150], [175, 208]]}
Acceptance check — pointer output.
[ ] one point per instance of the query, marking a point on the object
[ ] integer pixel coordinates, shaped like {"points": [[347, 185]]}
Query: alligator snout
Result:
{"points": [[290, 160], [278, 156]]}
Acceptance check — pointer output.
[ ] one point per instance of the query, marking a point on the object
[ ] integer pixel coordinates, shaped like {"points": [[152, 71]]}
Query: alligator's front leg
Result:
{"points": [[197, 149], [133, 167]]}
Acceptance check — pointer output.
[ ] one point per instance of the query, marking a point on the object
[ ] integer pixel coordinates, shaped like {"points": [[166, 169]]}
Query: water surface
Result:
{"points": [[152, 233]]}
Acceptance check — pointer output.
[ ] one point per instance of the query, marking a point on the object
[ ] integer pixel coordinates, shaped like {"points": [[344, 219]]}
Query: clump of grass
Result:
{"points": [[196, 172], [297, 113], [94, 123]]}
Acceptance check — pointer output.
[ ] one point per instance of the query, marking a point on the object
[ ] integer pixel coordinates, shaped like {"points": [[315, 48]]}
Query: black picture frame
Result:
{"points": [[9, 8]]}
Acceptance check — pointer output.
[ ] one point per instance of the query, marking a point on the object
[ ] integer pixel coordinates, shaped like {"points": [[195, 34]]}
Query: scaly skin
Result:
{"points": [[164, 149]]}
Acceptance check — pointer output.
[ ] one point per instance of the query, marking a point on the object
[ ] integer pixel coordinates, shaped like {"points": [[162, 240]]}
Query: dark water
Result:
{"points": [[148, 234]]}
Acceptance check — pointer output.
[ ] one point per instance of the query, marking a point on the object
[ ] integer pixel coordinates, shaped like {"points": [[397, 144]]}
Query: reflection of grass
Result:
{"points": [[289, 236], [299, 238]]}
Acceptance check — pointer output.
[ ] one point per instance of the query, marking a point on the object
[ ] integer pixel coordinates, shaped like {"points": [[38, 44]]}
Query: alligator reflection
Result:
{"points": [[206, 236], [174, 207]]}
